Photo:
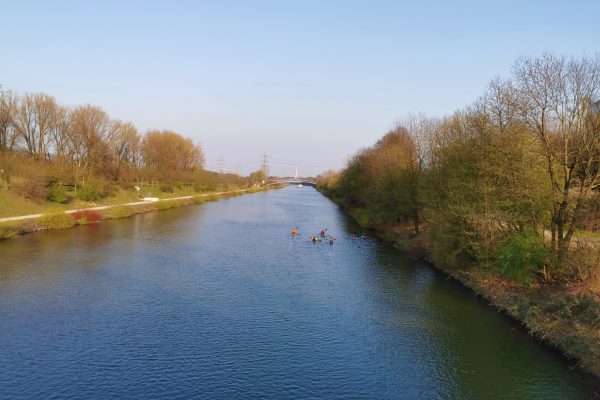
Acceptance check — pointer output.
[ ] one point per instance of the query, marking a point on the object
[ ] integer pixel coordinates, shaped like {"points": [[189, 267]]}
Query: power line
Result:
{"points": [[264, 165], [221, 165]]}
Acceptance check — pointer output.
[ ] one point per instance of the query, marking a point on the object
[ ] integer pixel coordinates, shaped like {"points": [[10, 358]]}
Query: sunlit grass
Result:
{"points": [[56, 220], [9, 230], [55, 216]]}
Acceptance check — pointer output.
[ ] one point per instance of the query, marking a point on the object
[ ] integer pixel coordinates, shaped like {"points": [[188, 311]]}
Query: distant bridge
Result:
{"points": [[294, 181]]}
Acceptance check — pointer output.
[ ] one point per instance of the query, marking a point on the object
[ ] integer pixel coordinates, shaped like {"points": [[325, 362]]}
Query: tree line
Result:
{"points": [[507, 181], [43, 142]]}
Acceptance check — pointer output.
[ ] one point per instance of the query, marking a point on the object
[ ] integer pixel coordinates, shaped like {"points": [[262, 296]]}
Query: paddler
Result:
{"points": [[294, 231]]}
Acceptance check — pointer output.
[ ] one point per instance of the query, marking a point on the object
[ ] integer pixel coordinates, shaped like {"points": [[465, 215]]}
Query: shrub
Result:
{"points": [[127, 211], [361, 216], [111, 190], [204, 187], [583, 262], [58, 194], [57, 220], [233, 194], [9, 230], [84, 217], [28, 179], [92, 190], [521, 256], [166, 187], [164, 204], [31, 225], [199, 199], [121, 211], [590, 215], [455, 241], [32, 189], [126, 185], [212, 197]]}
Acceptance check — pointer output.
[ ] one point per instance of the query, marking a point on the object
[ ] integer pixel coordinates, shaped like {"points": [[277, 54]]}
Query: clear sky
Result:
{"points": [[307, 82]]}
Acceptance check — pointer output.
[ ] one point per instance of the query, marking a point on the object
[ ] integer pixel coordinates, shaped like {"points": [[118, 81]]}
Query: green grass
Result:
{"points": [[199, 199], [165, 204], [232, 194], [54, 216], [130, 196], [13, 205], [57, 220], [212, 197], [123, 211]]}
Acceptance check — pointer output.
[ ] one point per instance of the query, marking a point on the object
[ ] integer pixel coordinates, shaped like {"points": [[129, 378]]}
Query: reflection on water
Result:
{"points": [[219, 301]]}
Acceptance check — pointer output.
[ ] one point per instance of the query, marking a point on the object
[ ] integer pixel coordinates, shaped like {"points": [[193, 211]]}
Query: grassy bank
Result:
{"points": [[57, 218], [13, 204], [566, 317]]}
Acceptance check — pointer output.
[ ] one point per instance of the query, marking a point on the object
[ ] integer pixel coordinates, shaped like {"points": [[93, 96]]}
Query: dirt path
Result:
{"points": [[33, 216]]}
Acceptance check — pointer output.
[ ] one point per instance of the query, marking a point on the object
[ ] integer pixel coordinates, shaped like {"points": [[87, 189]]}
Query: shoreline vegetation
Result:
{"points": [[64, 219], [55, 158], [549, 313], [503, 196]]}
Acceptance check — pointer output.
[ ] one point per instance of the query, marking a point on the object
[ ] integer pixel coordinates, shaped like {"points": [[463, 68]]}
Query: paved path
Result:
{"points": [[32, 216]]}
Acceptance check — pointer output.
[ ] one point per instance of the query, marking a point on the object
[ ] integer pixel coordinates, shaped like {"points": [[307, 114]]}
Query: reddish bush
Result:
{"points": [[86, 217]]}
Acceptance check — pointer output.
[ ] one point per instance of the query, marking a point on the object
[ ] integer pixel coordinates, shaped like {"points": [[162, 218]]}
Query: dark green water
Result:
{"points": [[219, 301]]}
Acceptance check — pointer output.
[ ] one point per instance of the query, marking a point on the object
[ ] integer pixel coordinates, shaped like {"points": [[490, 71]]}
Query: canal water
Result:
{"points": [[219, 301]]}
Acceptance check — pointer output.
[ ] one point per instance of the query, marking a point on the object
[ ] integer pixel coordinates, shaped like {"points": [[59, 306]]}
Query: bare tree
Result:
{"points": [[89, 134], [8, 137], [35, 119], [125, 146], [499, 103], [556, 100], [125, 142], [59, 138]]}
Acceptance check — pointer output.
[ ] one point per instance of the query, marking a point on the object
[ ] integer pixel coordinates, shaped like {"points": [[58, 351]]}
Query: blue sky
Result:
{"points": [[307, 82]]}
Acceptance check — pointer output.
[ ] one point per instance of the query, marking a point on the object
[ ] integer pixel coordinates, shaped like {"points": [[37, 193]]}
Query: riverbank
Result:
{"points": [[223, 295], [565, 317], [11, 227]]}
